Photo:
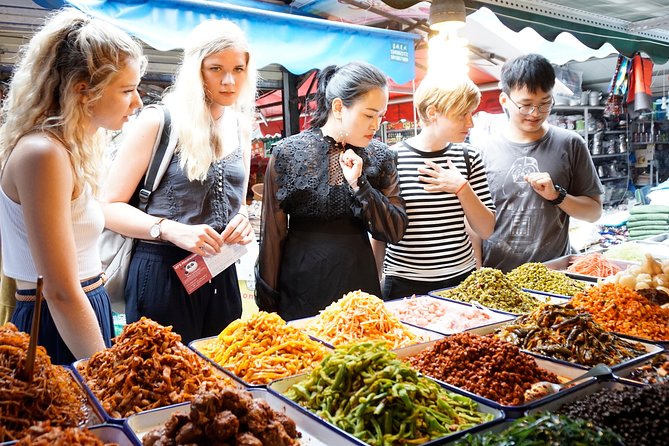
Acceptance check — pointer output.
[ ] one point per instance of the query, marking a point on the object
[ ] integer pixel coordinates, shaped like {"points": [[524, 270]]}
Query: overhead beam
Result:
{"points": [[644, 25], [566, 13], [414, 24]]}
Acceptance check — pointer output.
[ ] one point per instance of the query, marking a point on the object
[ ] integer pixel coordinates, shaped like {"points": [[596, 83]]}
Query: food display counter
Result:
{"points": [[269, 357]]}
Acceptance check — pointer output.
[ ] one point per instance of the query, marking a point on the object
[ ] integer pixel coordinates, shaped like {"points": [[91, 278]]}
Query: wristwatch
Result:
{"points": [[562, 193], [155, 231]]}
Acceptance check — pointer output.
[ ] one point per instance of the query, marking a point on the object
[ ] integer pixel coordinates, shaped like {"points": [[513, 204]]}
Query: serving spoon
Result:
{"points": [[545, 388]]}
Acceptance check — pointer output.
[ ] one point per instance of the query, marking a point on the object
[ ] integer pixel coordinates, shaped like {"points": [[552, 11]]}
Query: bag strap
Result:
{"points": [[163, 150], [468, 163]]}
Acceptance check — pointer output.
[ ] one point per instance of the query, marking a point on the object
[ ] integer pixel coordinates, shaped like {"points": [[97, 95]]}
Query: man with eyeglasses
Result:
{"points": [[539, 175]]}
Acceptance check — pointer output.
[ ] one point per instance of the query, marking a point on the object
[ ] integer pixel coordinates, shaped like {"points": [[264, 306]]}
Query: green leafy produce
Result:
{"points": [[367, 391], [546, 429]]}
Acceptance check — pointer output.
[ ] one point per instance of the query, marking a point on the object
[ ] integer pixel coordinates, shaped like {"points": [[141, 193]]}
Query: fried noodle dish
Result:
{"points": [[146, 368], [52, 395]]}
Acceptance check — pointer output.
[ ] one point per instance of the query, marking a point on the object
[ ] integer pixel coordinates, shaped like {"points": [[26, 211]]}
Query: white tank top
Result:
{"points": [[87, 224]]}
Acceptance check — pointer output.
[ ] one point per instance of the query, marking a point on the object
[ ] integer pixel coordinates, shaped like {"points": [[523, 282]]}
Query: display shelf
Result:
{"points": [[578, 107], [609, 155], [607, 141]]}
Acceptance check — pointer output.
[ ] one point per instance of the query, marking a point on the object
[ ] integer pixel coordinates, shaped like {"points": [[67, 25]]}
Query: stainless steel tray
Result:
{"points": [[566, 371], [281, 386], [197, 347], [658, 250], [98, 404], [562, 263], [662, 343], [426, 335], [651, 350], [95, 415], [495, 316], [540, 296], [551, 406], [554, 405], [108, 433], [628, 371], [315, 432]]}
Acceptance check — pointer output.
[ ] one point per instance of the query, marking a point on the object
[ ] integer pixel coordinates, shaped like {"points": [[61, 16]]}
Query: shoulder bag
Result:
{"points": [[116, 249]]}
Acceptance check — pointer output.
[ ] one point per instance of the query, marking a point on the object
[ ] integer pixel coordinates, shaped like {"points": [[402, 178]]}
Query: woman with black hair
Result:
{"points": [[326, 190]]}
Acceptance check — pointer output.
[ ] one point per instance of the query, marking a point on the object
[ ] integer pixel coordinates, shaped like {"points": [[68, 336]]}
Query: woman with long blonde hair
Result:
{"points": [[75, 77], [200, 203]]}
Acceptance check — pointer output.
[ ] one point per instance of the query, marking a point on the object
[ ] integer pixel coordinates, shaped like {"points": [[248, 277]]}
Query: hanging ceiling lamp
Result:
{"points": [[445, 14]]}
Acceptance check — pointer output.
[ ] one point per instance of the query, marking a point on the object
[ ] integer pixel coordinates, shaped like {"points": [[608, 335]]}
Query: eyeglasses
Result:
{"points": [[529, 109]]}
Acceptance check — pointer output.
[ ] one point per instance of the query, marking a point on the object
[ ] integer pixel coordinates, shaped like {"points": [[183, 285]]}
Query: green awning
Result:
{"points": [[591, 36]]}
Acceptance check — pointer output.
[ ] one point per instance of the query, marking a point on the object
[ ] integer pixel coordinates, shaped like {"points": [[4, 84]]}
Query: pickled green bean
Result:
{"points": [[367, 391]]}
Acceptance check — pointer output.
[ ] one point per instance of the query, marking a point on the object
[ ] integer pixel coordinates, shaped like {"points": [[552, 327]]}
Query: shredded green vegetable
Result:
{"points": [[366, 391], [546, 429], [627, 251]]}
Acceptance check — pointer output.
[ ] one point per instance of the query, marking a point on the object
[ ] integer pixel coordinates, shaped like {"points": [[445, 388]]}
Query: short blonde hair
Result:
{"points": [[450, 97]]}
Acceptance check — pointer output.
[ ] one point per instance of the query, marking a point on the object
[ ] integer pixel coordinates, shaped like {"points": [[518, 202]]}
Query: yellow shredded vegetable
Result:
{"points": [[263, 348], [357, 317]]}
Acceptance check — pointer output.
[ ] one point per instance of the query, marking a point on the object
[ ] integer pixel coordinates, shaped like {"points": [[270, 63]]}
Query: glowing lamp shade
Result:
{"points": [[445, 14]]}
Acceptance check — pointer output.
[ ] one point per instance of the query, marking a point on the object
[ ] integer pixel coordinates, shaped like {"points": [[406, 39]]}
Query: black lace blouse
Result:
{"points": [[304, 180]]}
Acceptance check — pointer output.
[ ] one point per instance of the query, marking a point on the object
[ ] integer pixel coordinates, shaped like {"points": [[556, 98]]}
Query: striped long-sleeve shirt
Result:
{"points": [[435, 246]]}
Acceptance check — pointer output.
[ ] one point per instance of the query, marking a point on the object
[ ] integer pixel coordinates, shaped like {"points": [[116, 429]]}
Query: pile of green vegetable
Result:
{"points": [[367, 391], [546, 429], [537, 276], [490, 287]]}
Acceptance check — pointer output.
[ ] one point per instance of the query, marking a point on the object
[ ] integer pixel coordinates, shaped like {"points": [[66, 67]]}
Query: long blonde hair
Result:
{"points": [[71, 48], [200, 142]]}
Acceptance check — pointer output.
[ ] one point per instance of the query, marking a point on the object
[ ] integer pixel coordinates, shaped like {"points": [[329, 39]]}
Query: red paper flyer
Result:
{"points": [[195, 270]]}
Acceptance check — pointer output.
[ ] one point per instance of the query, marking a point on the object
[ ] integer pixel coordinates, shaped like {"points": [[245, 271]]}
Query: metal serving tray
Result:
{"points": [[108, 433], [495, 316], [658, 250], [198, 347], [542, 297], [662, 343], [566, 371], [91, 407], [98, 404], [281, 386], [562, 263], [315, 432], [426, 335], [651, 350], [552, 406], [628, 372]]}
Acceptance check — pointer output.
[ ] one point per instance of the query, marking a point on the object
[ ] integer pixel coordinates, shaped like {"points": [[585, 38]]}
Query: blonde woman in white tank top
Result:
{"points": [[76, 77]]}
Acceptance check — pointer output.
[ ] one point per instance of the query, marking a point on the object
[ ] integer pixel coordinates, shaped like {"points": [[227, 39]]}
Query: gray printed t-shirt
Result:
{"points": [[528, 228]]}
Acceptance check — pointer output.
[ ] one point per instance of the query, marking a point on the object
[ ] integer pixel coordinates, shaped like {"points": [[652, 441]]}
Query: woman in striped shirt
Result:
{"points": [[446, 192]]}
